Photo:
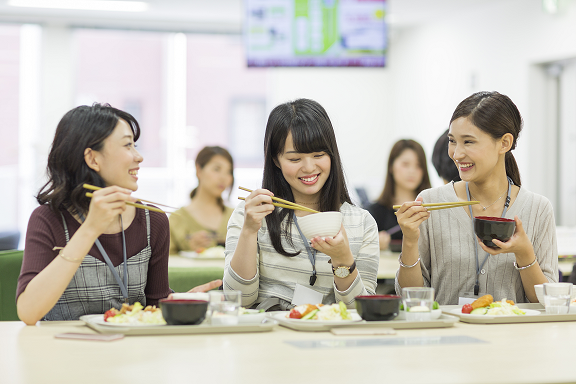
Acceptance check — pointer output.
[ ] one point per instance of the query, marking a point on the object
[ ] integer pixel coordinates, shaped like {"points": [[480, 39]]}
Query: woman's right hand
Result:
{"points": [[105, 206], [199, 240], [384, 238], [258, 206], [410, 215]]}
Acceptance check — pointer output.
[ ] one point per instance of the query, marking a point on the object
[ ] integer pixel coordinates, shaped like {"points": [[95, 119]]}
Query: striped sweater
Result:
{"points": [[277, 275], [447, 243]]}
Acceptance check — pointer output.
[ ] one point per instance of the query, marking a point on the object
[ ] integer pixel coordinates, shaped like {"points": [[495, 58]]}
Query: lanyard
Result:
{"points": [[123, 284], [311, 252], [479, 268]]}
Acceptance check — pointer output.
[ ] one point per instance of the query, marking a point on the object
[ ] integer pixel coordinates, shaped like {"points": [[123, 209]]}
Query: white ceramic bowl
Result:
{"points": [[435, 314], [322, 224], [540, 293], [191, 296]]}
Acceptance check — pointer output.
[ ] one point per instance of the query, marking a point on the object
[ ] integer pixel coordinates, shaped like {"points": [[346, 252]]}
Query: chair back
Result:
{"points": [[9, 240], [10, 265]]}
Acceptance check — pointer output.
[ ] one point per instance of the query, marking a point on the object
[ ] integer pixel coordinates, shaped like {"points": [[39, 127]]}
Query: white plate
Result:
{"points": [[458, 311], [252, 316], [282, 316], [213, 253], [100, 321]]}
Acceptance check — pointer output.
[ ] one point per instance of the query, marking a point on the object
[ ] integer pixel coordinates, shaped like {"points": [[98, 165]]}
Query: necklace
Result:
{"points": [[488, 206], [307, 203]]}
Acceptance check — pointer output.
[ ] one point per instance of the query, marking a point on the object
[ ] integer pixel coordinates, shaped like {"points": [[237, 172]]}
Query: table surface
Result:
{"points": [[510, 353], [386, 269]]}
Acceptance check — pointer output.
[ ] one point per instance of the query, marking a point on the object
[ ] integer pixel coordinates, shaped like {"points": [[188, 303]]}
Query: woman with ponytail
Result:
{"points": [[202, 223], [484, 130]]}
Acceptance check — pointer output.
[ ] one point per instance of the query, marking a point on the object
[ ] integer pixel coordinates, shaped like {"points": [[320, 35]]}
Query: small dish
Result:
{"points": [[183, 312], [251, 316], [434, 315], [488, 228]]}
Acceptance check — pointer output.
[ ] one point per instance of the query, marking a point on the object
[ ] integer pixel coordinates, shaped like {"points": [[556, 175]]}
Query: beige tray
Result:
{"points": [[96, 323], [444, 321], [542, 317]]}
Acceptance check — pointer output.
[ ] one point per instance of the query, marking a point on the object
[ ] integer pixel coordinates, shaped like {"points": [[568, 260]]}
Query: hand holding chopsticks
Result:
{"points": [[283, 203], [94, 188]]}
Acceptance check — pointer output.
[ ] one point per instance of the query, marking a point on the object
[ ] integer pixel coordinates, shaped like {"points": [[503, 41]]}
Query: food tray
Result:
{"points": [[445, 321], [542, 317], [96, 322]]}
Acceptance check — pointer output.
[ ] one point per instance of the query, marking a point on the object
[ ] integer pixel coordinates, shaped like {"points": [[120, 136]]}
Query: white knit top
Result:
{"points": [[447, 242], [277, 275]]}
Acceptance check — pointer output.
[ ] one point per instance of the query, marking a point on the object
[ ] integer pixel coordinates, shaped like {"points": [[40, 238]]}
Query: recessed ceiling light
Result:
{"points": [[91, 5]]}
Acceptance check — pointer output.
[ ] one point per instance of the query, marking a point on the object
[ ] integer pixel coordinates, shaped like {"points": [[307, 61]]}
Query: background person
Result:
{"points": [[444, 165], [202, 223], [406, 177]]}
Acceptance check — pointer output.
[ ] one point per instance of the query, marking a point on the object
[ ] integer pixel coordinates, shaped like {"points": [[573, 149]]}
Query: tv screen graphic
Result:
{"points": [[315, 33]]}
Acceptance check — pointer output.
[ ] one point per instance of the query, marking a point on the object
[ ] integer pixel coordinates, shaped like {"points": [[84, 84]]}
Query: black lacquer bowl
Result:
{"points": [[488, 228], [183, 312], [378, 307]]}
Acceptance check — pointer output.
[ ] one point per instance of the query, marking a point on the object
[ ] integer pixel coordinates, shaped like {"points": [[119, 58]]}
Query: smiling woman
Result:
{"points": [[267, 256], [82, 255]]}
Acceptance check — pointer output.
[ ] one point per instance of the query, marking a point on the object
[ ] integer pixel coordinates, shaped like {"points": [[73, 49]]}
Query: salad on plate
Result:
{"points": [[486, 305], [135, 314], [333, 312]]}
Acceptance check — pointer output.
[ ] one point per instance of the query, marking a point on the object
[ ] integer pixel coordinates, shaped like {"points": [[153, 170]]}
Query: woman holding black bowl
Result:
{"points": [[441, 250]]}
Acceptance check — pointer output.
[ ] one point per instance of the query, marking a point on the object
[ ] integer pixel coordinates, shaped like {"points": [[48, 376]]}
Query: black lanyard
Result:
{"points": [[311, 252], [480, 268], [123, 284]]}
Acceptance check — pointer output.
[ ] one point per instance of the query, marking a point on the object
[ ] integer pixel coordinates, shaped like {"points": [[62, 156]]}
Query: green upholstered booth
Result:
{"points": [[10, 265], [182, 279]]}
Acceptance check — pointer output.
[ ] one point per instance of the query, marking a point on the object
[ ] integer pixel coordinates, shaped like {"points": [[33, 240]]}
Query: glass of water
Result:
{"points": [[418, 303], [224, 307], [557, 297]]}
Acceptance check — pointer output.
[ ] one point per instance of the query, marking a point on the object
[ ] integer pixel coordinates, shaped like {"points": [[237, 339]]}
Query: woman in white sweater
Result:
{"points": [[266, 256], [484, 129]]}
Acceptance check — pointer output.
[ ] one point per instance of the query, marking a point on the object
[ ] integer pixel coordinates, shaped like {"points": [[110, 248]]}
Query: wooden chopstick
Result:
{"points": [[88, 194], [95, 188], [286, 203], [444, 205], [286, 206]]}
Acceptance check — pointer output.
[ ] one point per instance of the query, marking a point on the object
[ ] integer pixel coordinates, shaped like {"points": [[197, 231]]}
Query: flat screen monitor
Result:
{"points": [[315, 33]]}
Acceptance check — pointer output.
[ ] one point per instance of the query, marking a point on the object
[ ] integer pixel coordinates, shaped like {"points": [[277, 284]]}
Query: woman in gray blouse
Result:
{"points": [[484, 129]]}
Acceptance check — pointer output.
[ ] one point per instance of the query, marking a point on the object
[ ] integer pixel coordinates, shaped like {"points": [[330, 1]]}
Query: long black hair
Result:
{"points": [[204, 156], [495, 114], [311, 132], [82, 127], [443, 163], [387, 196]]}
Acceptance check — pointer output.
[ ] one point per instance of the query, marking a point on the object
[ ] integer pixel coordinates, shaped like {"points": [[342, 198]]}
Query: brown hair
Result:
{"points": [[387, 195], [496, 115], [204, 156]]}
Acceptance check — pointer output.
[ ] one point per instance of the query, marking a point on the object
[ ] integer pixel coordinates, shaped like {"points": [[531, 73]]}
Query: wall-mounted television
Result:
{"points": [[315, 33]]}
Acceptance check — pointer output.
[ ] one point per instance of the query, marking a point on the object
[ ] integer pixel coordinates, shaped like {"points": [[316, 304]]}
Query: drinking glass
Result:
{"points": [[418, 303], [224, 307], [557, 297]]}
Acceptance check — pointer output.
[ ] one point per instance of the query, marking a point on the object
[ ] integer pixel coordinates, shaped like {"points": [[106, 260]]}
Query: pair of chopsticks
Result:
{"points": [[436, 206], [283, 203], [94, 188]]}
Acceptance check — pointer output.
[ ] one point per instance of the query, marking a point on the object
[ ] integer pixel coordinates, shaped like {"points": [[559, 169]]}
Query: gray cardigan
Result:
{"points": [[447, 242]]}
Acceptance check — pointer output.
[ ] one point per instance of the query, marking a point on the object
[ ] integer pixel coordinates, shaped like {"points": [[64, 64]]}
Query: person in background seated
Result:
{"points": [[440, 248], [406, 177], [267, 257], [202, 223], [444, 165], [86, 255]]}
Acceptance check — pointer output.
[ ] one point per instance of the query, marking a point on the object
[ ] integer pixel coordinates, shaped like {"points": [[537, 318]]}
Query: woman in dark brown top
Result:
{"points": [[82, 255]]}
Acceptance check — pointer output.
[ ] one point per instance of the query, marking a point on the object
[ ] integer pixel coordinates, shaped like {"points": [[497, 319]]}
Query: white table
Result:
{"points": [[513, 353]]}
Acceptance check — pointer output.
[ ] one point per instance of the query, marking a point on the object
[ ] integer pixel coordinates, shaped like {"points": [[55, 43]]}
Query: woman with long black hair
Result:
{"points": [[266, 258], [441, 250]]}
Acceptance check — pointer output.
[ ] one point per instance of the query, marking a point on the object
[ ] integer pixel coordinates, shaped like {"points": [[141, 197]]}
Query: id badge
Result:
{"points": [[467, 298], [305, 295]]}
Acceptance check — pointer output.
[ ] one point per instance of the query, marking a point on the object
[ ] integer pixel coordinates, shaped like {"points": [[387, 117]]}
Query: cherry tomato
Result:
{"points": [[109, 313], [294, 314], [467, 308]]}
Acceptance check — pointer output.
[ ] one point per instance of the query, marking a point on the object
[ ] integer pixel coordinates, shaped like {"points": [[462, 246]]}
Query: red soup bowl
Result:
{"points": [[489, 228], [183, 312], [378, 307]]}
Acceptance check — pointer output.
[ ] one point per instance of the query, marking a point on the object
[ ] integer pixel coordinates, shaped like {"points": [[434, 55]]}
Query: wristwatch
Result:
{"points": [[344, 271]]}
